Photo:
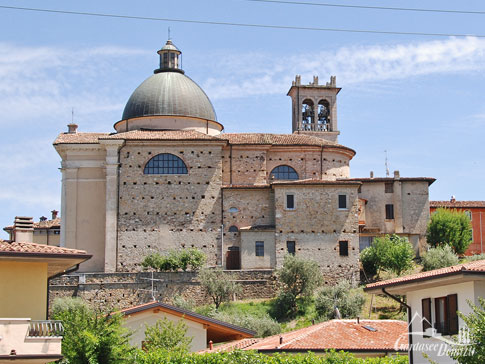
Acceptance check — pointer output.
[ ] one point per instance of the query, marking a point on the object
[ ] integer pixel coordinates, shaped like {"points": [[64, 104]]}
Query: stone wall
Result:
{"points": [[123, 290]]}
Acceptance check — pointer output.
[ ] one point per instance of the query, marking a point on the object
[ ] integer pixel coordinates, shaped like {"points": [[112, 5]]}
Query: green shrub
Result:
{"points": [[264, 325], [348, 300], [184, 259], [167, 335], [450, 227], [91, 336], [472, 258], [439, 257], [181, 302], [390, 252], [218, 285]]}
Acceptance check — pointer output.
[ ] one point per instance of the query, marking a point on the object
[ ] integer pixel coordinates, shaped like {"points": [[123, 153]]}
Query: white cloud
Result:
{"points": [[256, 74]]}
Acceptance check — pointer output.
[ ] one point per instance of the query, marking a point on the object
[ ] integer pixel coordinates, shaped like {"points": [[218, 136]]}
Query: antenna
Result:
{"points": [[387, 165], [168, 33], [152, 290], [72, 115]]}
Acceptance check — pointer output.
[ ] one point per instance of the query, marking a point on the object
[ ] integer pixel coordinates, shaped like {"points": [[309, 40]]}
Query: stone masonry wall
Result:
{"points": [[162, 212], [123, 290]]}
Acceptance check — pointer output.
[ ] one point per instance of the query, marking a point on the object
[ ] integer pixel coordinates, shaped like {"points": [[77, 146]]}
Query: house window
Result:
{"points": [[291, 247], [233, 210], [389, 187], [260, 248], [389, 212], [165, 163], [233, 229], [446, 317], [283, 172], [469, 214], [343, 248], [290, 201], [342, 202]]}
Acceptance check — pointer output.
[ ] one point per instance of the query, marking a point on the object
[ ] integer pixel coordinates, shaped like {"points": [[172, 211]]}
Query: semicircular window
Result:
{"points": [[233, 229], [283, 172], [165, 163]]}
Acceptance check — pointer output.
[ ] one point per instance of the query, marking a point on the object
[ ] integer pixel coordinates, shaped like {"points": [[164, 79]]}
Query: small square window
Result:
{"points": [[389, 212], [291, 247], [343, 247], [342, 202], [469, 214], [260, 248], [290, 201], [389, 187]]}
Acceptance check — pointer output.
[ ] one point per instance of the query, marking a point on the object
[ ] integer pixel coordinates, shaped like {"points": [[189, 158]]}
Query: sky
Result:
{"points": [[420, 98]]}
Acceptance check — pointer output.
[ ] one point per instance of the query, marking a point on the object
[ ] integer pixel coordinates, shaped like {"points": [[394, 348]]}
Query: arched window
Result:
{"points": [[233, 229], [165, 163], [307, 113], [323, 116], [283, 172]]}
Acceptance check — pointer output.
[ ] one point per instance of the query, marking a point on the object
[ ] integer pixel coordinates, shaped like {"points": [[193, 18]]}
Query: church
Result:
{"points": [[169, 177]]}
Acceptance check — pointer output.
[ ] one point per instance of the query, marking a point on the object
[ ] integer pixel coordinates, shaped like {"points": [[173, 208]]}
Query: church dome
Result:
{"points": [[169, 93]]}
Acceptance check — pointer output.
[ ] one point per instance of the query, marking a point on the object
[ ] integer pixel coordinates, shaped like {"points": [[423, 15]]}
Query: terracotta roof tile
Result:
{"points": [[14, 248], [477, 266], [47, 224], [79, 138], [160, 135], [338, 334], [457, 204], [232, 345], [430, 180], [317, 182]]}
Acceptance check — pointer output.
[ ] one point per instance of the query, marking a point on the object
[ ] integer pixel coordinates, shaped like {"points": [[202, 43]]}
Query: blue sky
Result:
{"points": [[421, 98]]}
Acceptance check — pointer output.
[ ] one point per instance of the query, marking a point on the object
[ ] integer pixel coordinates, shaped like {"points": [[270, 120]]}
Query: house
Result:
{"points": [[363, 338], [26, 336], [476, 212], [202, 329], [169, 178], [45, 231], [433, 299]]}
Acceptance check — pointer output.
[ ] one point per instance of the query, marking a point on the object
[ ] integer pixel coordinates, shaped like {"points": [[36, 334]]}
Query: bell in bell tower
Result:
{"points": [[314, 108]]}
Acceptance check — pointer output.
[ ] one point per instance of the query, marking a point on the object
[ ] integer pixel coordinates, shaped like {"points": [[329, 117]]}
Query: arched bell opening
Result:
{"points": [[307, 114], [323, 121]]}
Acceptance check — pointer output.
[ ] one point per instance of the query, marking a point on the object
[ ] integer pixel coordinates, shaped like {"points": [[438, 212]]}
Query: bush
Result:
{"points": [[180, 302], [166, 335], [91, 336], [184, 259], [348, 300], [390, 252], [472, 258], [218, 285], [450, 227], [250, 357], [262, 324], [299, 279], [439, 257]]}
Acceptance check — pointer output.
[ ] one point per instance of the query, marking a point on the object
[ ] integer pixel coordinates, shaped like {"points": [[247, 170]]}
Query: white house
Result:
{"points": [[433, 299]]}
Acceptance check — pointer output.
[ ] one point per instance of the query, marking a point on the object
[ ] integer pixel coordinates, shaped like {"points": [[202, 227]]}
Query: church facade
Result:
{"points": [[169, 178]]}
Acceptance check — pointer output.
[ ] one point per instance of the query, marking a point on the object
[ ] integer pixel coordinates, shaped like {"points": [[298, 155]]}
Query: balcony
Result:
{"points": [[25, 341]]}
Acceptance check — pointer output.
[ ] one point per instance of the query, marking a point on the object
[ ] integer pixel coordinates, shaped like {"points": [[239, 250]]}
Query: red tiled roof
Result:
{"points": [[160, 135], [232, 345], [457, 204], [79, 138], [245, 186], [477, 266], [336, 334], [19, 249], [430, 180]]}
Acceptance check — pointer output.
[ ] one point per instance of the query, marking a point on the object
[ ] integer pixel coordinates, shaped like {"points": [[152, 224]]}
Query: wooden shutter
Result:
{"points": [[426, 313], [452, 305]]}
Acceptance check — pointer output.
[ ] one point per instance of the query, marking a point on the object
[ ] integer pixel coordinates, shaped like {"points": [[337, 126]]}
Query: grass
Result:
{"points": [[383, 308]]}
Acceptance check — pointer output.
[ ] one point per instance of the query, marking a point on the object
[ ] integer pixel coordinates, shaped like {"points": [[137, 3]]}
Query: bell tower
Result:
{"points": [[314, 108]]}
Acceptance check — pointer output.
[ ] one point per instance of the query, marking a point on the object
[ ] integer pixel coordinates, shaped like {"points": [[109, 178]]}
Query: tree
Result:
{"points": [[474, 353], [439, 257], [218, 285], [299, 279], [348, 300], [91, 336], [390, 252], [450, 227], [166, 335], [184, 259]]}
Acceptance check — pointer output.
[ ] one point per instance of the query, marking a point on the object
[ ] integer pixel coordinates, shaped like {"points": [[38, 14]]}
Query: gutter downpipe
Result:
{"points": [[222, 228], [410, 324], [70, 270]]}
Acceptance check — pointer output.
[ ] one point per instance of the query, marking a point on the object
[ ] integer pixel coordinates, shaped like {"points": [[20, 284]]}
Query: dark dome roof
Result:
{"points": [[170, 94]]}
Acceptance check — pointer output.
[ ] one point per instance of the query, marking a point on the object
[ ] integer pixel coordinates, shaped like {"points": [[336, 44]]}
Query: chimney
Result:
{"points": [[54, 214], [211, 345], [371, 174], [72, 128], [453, 199], [23, 229], [396, 175], [358, 319], [281, 339], [43, 218]]}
